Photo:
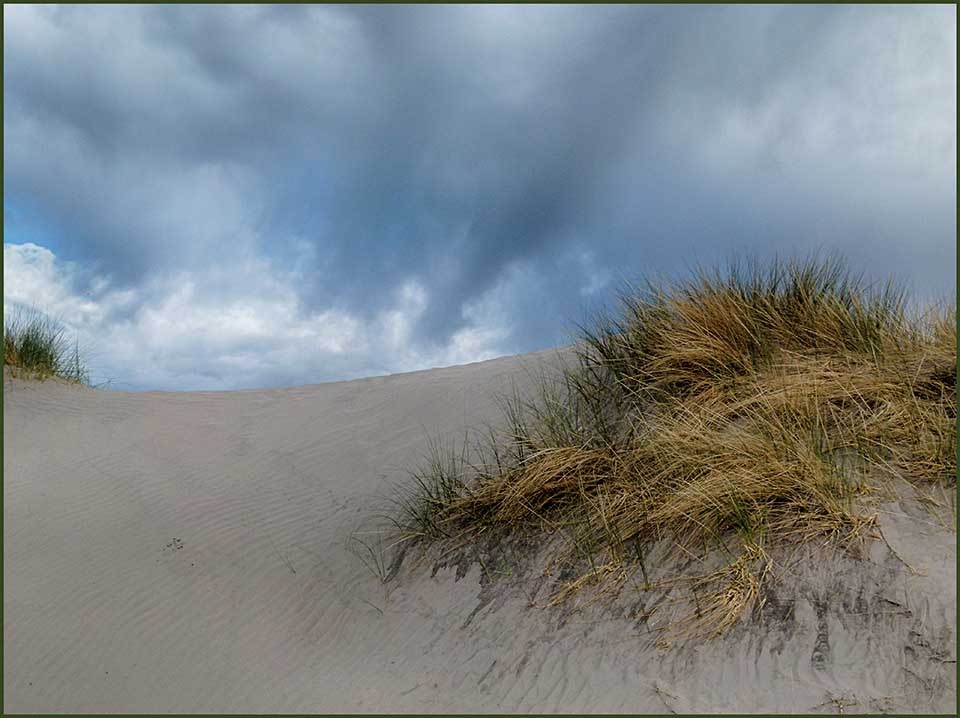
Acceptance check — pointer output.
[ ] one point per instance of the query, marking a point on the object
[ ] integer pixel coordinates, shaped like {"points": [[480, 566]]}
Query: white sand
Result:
{"points": [[187, 552]]}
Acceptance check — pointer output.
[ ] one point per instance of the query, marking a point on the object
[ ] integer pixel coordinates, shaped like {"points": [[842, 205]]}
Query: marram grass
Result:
{"points": [[35, 344], [750, 407]]}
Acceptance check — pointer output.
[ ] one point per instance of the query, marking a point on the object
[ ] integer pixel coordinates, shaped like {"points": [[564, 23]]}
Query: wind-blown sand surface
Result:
{"points": [[188, 552]]}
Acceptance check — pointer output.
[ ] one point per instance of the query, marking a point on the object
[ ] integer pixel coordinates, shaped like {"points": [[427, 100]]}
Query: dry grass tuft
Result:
{"points": [[728, 593], [765, 405], [35, 344]]}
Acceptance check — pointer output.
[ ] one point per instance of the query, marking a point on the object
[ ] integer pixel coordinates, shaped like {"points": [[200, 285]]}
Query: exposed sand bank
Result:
{"points": [[189, 553]]}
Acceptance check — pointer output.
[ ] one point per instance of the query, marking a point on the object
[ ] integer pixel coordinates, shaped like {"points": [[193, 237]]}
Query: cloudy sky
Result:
{"points": [[230, 197]]}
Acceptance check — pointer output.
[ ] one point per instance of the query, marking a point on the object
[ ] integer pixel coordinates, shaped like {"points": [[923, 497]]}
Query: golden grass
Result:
{"points": [[35, 345], [728, 592], [768, 407]]}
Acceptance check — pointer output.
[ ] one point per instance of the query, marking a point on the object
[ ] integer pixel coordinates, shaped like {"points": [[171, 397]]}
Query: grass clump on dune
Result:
{"points": [[34, 343], [740, 409]]}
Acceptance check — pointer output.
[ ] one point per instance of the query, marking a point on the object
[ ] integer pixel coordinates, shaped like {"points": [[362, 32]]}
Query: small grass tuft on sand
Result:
{"points": [[737, 410], [35, 344]]}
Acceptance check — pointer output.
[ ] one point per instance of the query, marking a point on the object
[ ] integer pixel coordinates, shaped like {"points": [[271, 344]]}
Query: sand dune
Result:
{"points": [[188, 552]]}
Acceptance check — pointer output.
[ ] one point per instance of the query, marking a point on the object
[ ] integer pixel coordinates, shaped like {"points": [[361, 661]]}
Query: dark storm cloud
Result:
{"points": [[455, 145]]}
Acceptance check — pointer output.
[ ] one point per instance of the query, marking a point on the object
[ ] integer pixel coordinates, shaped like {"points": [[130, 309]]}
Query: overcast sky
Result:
{"points": [[229, 197]]}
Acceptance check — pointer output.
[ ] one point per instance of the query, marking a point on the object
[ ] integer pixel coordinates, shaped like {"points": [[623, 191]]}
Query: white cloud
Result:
{"points": [[33, 279], [182, 332]]}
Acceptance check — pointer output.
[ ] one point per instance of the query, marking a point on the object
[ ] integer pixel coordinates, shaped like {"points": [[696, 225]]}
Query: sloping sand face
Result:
{"points": [[190, 553]]}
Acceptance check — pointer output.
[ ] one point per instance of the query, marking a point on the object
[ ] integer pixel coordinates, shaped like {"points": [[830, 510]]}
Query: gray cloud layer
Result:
{"points": [[512, 157]]}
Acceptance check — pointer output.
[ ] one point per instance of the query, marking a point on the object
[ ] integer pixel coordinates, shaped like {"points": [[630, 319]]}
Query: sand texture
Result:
{"points": [[190, 552]]}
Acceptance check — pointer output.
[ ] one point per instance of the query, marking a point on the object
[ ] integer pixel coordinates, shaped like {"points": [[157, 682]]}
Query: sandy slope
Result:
{"points": [[187, 553]]}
